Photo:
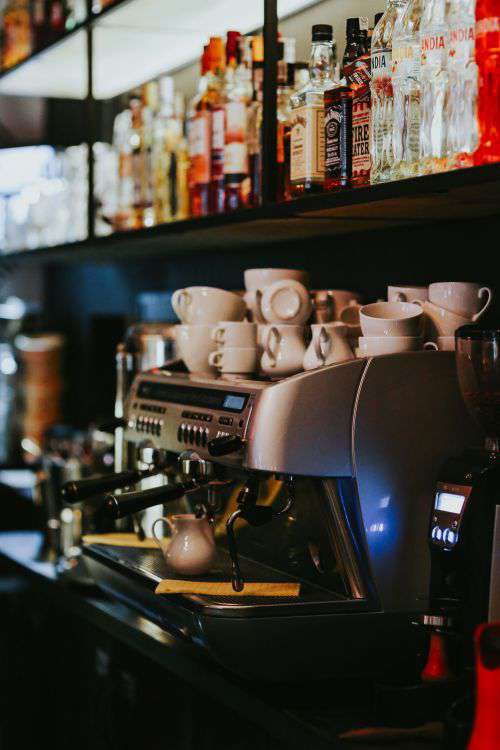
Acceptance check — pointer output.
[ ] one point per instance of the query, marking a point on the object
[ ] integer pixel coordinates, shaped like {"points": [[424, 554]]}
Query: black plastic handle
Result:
{"points": [[128, 503], [75, 492], [222, 446]]}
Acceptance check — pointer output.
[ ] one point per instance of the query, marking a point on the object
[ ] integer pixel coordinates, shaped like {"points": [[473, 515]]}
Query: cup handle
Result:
{"points": [[217, 335], [323, 339], [180, 300], [169, 523], [271, 351], [400, 297], [431, 345], [215, 359], [485, 290]]}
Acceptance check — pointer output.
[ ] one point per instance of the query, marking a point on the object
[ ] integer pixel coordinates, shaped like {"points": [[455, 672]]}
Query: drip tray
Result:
{"points": [[149, 566]]}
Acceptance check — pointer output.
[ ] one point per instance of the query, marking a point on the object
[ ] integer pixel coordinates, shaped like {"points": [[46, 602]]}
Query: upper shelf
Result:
{"points": [[453, 196], [134, 41]]}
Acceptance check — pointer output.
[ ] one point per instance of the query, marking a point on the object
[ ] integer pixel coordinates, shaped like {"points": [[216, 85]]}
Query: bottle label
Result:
{"points": [[461, 43], [236, 152], [199, 131], [487, 26], [308, 144], [358, 75], [361, 160], [406, 61], [280, 145], [217, 150], [338, 144], [381, 64], [433, 48]]}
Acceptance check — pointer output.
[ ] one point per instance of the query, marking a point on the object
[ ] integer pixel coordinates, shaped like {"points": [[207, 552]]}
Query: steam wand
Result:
{"points": [[255, 515]]}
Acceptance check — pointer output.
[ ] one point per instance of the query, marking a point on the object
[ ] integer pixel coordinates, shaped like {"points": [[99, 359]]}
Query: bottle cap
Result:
{"points": [[322, 32], [352, 27], [258, 49], [232, 45], [216, 53]]}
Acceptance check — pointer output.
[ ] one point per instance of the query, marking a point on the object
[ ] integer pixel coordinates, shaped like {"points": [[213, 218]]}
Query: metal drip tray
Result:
{"points": [[149, 566]]}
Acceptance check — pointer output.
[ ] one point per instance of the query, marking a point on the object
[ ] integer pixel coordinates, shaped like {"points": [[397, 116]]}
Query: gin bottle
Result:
{"points": [[382, 93], [461, 100], [307, 158], [406, 90], [488, 61], [434, 85]]}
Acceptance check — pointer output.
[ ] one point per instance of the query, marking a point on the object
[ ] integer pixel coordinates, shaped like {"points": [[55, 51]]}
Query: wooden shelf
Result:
{"points": [[450, 197]]}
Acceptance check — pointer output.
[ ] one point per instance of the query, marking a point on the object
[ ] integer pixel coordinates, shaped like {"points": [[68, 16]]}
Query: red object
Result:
{"points": [[486, 730], [437, 667], [488, 62]]}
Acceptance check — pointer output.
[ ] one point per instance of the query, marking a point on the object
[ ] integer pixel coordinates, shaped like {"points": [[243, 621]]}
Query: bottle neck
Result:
{"points": [[321, 63]]}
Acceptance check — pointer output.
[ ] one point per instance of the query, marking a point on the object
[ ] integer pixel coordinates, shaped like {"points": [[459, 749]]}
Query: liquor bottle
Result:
{"points": [[215, 102], [39, 23], [307, 158], [199, 142], [57, 19], [434, 86], [254, 121], [406, 89], [356, 72], [122, 129], [488, 62], [180, 189], [301, 75], [382, 93], [236, 166], [338, 137], [165, 136], [16, 33], [461, 98], [143, 110], [285, 81]]}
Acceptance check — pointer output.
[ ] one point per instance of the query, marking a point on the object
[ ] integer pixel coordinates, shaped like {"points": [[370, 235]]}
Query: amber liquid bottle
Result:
{"points": [[255, 112], [199, 145], [357, 73], [286, 75], [215, 99], [236, 165]]}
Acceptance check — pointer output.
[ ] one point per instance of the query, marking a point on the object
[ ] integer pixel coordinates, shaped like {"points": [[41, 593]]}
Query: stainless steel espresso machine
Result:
{"points": [[323, 478]]}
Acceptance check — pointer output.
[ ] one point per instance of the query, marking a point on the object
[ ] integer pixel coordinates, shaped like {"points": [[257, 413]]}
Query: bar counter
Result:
{"points": [[263, 708]]}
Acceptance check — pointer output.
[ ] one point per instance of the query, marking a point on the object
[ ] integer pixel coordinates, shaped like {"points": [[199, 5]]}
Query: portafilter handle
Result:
{"points": [[128, 503], [83, 489]]}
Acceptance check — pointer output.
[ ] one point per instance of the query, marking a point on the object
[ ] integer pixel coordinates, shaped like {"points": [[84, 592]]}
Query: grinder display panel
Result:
{"points": [[449, 505]]}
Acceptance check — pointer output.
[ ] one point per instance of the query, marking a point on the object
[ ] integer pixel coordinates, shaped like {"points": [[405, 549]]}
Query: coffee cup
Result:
{"points": [[203, 305], [284, 350], [462, 298], [328, 346], [235, 334], [286, 301], [441, 322], [194, 343], [391, 319], [443, 344], [329, 303], [371, 346], [235, 360], [260, 278], [407, 293]]}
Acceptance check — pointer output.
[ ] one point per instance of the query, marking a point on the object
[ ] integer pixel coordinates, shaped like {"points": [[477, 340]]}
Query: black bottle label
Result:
{"points": [[338, 140]]}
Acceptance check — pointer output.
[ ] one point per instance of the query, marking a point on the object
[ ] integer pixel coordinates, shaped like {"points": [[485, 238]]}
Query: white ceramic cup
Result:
{"points": [[194, 343], [328, 346], [284, 350], [286, 301], [329, 303], [440, 322], [236, 360], [391, 319], [463, 298], [235, 334], [205, 304], [371, 346], [260, 278], [443, 344], [407, 293]]}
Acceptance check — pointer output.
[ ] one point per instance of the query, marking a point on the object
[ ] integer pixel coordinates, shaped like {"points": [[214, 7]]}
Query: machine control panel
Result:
{"points": [[449, 506]]}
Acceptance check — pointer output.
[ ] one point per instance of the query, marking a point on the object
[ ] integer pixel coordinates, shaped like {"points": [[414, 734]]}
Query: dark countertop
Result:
{"points": [[20, 552]]}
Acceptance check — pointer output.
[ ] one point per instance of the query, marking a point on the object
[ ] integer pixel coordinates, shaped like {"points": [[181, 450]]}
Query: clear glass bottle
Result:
{"points": [[199, 142], [406, 91], [165, 136], [434, 86], [381, 147], [461, 100], [180, 188], [307, 158]]}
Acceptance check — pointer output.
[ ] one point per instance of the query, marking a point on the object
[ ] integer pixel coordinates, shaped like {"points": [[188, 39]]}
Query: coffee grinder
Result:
{"points": [[464, 533]]}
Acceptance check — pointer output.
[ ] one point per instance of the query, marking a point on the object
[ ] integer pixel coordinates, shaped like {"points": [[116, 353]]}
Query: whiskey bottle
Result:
{"points": [[215, 99], [236, 166], [338, 137], [357, 74], [307, 148], [199, 144]]}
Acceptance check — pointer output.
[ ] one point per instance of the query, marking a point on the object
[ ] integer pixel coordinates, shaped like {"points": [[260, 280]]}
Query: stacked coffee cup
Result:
{"points": [[392, 326], [200, 308], [451, 305], [278, 300]]}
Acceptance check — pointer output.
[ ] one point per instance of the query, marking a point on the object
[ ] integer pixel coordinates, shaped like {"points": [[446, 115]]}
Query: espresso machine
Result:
{"points": [[464, 532], [322, 478]]}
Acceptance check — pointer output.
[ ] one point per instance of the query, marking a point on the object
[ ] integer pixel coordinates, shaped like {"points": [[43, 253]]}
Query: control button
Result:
{"points": [[449, 537], [180, 430], [204, 438], [197, 435], [228, 421], [437, 534]]}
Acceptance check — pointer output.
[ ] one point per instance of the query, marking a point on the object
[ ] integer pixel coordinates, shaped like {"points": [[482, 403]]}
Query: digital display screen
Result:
{"points": [[186, 396], [449, 503]]}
